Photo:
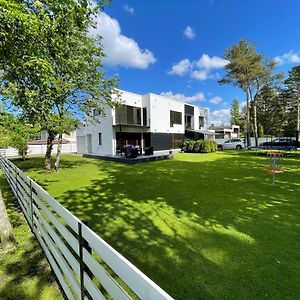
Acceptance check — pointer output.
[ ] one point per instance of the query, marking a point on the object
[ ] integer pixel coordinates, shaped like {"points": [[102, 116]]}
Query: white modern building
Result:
{"points": [[143, 120]]}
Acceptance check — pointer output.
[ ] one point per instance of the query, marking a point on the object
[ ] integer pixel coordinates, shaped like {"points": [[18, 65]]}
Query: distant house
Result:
{"points": [[148, 120], [226, 132], [38, 146]]}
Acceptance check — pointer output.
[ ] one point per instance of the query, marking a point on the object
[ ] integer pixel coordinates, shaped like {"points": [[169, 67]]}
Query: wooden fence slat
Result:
{"points": [[70, 239], [55, 267], [68, 217], [64, 250], [144, 287], [110, 285], [59, 258]]}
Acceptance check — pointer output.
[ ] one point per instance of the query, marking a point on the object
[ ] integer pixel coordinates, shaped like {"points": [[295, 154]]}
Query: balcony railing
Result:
{"points": [[120, 120], [189, 126]]}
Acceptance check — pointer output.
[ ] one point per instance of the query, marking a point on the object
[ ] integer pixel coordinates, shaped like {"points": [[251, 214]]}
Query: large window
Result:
{"points": [[175, 118], [128, 115]]}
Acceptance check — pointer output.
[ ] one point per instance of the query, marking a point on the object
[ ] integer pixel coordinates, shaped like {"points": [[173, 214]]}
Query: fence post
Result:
{"points": [[31, 205], [81, 263], [16, 182], [83, 244]]}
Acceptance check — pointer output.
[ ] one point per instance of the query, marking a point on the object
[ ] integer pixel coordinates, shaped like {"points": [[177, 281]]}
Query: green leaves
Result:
{"points": [[50, 64]]}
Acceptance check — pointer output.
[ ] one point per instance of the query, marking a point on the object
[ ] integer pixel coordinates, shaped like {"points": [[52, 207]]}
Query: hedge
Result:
{"points": [[199, 146]]}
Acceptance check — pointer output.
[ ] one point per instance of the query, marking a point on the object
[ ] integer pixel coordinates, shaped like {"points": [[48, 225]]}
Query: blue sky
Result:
{"points": [[176, 48]]}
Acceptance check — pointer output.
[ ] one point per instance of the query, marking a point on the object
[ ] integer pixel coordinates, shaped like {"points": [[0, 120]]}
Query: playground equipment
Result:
{"points": [[275, 164]]}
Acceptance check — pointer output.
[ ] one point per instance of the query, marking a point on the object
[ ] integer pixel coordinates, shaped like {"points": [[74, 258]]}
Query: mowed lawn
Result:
{"points": [[202, 226]]}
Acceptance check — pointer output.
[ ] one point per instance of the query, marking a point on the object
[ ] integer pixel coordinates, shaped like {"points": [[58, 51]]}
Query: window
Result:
{"points": [[128, 115], [201, 122], [96, 112], [145, 123], [100, 138], [175, 118]]}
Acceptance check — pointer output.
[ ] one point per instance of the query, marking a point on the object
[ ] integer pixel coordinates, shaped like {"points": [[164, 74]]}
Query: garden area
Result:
{"points": [[202, 226]]}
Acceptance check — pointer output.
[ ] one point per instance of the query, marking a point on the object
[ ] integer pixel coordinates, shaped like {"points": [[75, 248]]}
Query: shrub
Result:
{"points": [[190, 147], [199, 146]]}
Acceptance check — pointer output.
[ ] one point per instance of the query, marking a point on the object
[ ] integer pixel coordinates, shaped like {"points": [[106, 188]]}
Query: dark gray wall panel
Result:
{"points": [[160, 141]]}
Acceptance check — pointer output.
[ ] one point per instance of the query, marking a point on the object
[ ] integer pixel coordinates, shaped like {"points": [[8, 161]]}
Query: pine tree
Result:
{"points": [[235, 114]]}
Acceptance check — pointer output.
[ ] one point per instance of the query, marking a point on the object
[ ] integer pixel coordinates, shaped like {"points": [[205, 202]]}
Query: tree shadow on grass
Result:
{"points": [[36, 164], [24, 272], [200, 230]]}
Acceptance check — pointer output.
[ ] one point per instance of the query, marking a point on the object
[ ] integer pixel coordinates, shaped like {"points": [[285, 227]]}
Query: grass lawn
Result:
{"points": [[202, 226], [24, 272]]}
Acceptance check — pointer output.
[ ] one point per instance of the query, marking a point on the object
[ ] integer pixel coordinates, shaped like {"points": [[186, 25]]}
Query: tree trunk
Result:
{"points": [[247, 119], [7, 238], [58, 155], [254, 118], [50, 139], [298, 120]]}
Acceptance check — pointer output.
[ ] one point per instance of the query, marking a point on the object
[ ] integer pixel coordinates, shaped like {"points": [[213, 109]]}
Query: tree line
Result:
{"points": [[272, 102]]}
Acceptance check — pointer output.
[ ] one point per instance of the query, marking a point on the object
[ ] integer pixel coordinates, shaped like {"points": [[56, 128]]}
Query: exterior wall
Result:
{"points": [[200, 112], [94, 126], [160, 107]]}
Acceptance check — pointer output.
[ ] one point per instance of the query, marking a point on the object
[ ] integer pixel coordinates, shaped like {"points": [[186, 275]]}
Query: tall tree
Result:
{"points": [[292, 94], [243, 67], [271, 110], [235, 114], [265, 77], [59, 74]]}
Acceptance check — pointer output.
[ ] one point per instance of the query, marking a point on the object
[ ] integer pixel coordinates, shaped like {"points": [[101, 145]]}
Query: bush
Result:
{"points": [[199, 146]]}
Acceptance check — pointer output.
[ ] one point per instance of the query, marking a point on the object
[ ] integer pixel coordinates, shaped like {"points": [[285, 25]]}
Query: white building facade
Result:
{"points": [[143, 120]]}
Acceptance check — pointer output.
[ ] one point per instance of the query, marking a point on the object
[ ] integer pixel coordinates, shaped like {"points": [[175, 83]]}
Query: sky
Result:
{"points": [[176, 48]]}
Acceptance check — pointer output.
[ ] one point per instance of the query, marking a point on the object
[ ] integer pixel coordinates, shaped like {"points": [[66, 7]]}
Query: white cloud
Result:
{"points": [[198, 97], [216, 100], [189, 33], [181, 68], [200, 74], [200, 69], [128, 9], [289, 57], [220, 116], [119, 49], [208, 63]]}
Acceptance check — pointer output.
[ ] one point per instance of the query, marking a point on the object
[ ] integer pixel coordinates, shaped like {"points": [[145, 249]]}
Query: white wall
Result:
{"points": [[160, 107], [100, 124]]}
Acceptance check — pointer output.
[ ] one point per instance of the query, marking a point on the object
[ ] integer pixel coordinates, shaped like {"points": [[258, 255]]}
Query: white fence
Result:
{"points": [[85, 265], [41, 149]]}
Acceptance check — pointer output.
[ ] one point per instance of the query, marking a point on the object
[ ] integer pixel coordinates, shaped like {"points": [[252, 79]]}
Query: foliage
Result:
{"points": [[16, 133], [199, 146], [291, 94], [271, 112], [249, 71], [217, 212], [61, 72], [235, 114]]}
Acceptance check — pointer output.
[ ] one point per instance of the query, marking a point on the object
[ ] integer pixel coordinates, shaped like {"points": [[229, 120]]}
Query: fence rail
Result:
{"points": [[85, 265]]}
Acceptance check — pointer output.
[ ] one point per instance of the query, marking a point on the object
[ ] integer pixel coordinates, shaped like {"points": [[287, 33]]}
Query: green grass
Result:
{"points": [[24, 272], [202, 226]]}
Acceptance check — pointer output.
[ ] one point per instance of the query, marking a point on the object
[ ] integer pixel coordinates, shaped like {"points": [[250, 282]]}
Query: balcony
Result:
{"points": [[189, 122], [131, 116], [117, 120]]}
